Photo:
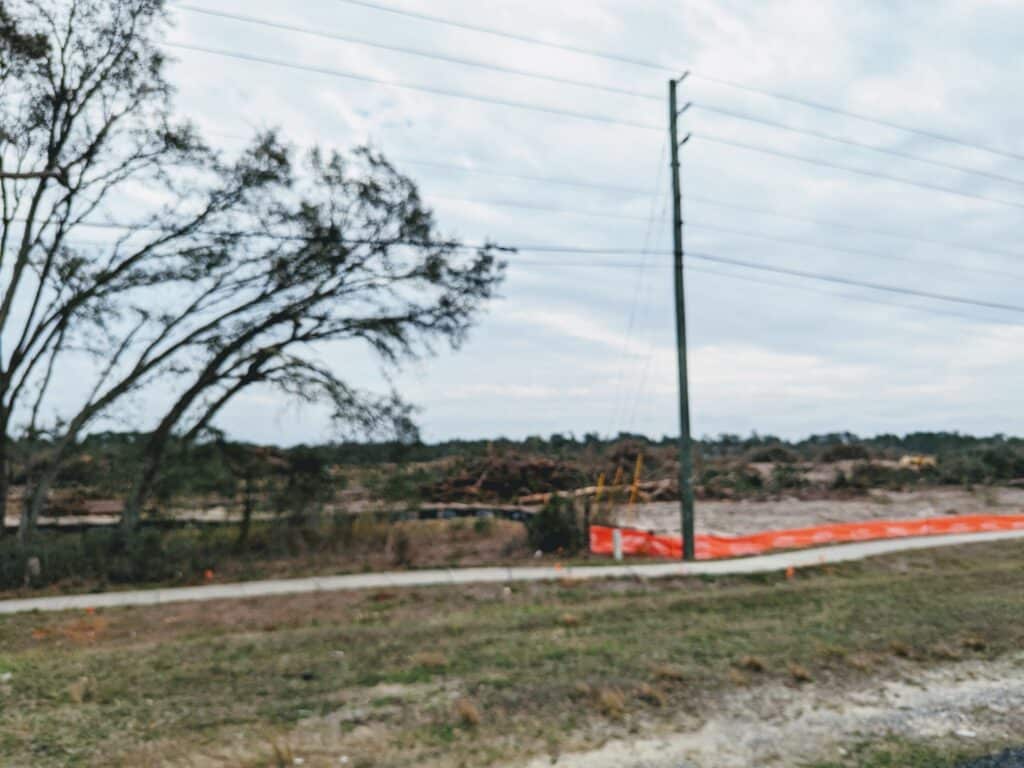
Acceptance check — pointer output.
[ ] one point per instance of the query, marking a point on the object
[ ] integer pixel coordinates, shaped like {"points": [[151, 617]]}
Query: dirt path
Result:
{"points": [[778, 726], [804, 558]]}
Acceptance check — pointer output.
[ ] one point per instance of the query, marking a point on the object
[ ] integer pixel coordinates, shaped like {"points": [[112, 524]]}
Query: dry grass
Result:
{"points": [[650, 694], [974, 643], [901, 649], [429, 660], [945, 652], [81, 690], [861, 662], [467, 712], [799, 672], [670, 672], [738, 678], [752, 664], [611, 702], [582, 690], [570, 620], [346, 673]]}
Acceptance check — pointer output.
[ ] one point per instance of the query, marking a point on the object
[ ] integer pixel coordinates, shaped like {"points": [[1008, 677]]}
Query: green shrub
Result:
{"points": [[845, 452], [867, 475], [402, 547], [555, 528], [786, 476], [483, 526], [773, 454]]}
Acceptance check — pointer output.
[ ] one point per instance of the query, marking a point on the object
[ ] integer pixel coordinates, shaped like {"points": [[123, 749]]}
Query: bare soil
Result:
{"points": [[751, 516], [776, 726]]}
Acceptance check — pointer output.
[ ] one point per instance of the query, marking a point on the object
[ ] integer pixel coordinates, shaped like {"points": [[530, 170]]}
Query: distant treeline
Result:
{"points": [[105, 461]]}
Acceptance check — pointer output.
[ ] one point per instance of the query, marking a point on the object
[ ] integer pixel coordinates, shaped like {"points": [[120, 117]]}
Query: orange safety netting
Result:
{"points": [[707, 547]]}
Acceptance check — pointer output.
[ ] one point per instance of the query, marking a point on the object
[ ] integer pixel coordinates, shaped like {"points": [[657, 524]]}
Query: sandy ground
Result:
{"points": [[729, 517], [777, 726], [746, 516]]}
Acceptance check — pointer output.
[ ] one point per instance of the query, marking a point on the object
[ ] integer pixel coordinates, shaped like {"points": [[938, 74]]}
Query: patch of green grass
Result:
{"points": [[195, 681], [899, 753]]}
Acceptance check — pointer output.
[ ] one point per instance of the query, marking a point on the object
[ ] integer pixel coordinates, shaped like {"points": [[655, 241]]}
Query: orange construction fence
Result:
{"points": [[636, 542]]}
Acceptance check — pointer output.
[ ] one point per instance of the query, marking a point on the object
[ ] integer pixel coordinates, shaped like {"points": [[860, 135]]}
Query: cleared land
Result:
{"points": [[746, 516], [489, 676]]}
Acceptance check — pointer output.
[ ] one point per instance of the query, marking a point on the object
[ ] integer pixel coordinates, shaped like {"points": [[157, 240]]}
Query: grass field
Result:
{"points": [[481, 675]]}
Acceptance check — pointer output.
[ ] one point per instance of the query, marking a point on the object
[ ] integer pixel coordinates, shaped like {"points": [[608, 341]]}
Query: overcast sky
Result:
{"points": [[586, 343]]}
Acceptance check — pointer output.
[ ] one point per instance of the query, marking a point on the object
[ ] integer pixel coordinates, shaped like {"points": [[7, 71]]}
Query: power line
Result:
{"points": [[421, 53], [823, 292], [507, 35], [413, 87], [598, 251], [934, 135], [539, 207], [854, 143], [854, 227], [839, 280], [641, 386], [585, 183], [852, 251], [619, 401], [562, 181], [819, 276], [665, 67], [590, 184], [565, 249], [733, 231], [858, 171]]}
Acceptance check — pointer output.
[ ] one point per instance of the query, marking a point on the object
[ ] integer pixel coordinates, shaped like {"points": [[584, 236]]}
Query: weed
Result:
{"points": [[944, 652], [901, 649], [800, 673], [468, 713], [752, 664], [651, 695], [738, 678], [582, 690], [612, 703], [670, 672], [974, 643], [401, 547], [433, 660], [81, 690]]}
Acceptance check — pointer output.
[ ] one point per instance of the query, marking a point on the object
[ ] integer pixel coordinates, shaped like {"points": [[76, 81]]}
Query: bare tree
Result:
{"points": [[352, 254], [230, 276], [86, 126]]}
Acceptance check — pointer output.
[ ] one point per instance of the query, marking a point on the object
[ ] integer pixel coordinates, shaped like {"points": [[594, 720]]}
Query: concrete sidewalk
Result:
{"points": [[761, 564]]}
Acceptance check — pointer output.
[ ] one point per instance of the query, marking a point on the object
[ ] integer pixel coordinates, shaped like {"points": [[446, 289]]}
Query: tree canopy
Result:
{"points": [[136, 258]]}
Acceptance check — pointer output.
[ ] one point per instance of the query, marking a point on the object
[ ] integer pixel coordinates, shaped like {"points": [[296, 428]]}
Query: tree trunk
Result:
{"points": [[144, 479], [5, 478], [247, 507], [35, 503], [36, 493]]}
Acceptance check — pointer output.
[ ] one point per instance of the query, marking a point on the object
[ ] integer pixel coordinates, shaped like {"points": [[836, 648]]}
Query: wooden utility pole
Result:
{"points": [[685, 450]]}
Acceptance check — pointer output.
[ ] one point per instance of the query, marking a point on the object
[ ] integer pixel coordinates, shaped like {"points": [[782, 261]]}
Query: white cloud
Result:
{"points": [[560, 351]]}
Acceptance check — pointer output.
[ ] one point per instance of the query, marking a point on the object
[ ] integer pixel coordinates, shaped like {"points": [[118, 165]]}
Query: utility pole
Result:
{"points": [[685, 450]]}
